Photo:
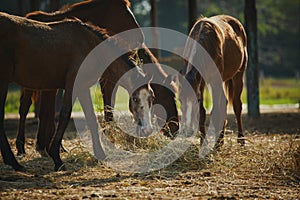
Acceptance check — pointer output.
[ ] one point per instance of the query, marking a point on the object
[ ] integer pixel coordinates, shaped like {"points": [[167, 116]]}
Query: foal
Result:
{"points": [[33, 55], [224, 39], [100, 13]]}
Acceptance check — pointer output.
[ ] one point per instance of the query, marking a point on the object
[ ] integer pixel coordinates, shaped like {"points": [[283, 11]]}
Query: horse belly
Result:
{"points": [[38, 76]]}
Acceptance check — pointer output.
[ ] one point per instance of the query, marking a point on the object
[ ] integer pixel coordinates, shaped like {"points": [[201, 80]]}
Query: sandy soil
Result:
{"points": [[267, 167]]}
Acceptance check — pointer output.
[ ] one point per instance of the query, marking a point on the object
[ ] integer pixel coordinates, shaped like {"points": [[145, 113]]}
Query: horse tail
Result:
{"points": [[229, 90]]}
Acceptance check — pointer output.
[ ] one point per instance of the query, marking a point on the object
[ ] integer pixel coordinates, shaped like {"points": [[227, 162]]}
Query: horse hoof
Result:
{"points": [[61, 167], [219, 144], [19, 168], [43, 153], [20, 148], [20, 153], [14, 164], [62, 149], [241, 141]]}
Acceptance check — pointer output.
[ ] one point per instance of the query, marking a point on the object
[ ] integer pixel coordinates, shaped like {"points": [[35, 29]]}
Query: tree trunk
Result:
{"points": [[192, 6], [252, 68]]}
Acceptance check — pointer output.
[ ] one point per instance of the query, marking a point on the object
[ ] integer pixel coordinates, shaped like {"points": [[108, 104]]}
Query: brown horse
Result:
{"points": [[165, 96], [86, 12], [113, 15], [33, 55], [224, 39], [99, 13]]}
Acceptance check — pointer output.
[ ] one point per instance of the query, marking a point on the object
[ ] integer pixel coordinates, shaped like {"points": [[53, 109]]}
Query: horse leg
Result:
{"points": [[25, 103], [89, 113], [219, 111], [36, 102], [237, 105], [46, 116], [58, 102], [108, 101], [171, 125], [7, 154], [202, 112], [172, 121], [220, 141], [64, 118]]}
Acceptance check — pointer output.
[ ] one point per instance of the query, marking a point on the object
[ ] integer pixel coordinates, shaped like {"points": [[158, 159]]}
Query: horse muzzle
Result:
{"points": [[144, 131]]}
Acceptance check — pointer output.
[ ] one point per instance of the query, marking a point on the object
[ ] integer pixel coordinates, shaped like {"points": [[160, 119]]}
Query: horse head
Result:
{"points": [[140, 105]]}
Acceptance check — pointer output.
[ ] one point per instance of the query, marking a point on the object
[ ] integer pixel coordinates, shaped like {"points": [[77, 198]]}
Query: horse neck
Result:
{"points": [[148, 58], [137, 76]]}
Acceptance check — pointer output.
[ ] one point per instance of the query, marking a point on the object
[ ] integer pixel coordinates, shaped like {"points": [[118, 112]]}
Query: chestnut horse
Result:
{"points": [[99, 13], [86, 12], [224, 39], [33, 55]]}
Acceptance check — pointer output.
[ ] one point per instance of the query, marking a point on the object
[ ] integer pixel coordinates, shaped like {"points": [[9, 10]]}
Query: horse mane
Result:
{"points": [[105, 34], [68, 7], [161, 71]]}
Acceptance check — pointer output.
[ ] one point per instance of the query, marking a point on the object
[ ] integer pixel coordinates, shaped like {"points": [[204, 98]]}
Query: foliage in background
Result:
{"points": [[278, 27], [278, 39]]}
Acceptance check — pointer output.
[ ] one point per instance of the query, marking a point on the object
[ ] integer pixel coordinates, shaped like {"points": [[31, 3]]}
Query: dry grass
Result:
{"points": [[267, 167]]}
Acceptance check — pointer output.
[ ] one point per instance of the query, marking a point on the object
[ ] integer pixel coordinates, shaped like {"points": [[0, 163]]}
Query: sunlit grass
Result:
{"points": [[272, 91], [279, 91]]}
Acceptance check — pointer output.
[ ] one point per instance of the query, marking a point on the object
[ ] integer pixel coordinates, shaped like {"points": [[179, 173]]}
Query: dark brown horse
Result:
{"points": [[224, 39], [165, 93], [33, 55], [113, 15], [98, 12], [86, 12]]}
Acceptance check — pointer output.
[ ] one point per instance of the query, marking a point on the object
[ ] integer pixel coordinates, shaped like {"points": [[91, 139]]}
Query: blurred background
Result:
{"points": [[278, 35]]}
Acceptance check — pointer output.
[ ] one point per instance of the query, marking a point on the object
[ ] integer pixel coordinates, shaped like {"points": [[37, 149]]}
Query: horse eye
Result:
{"points": [[134, 99]]}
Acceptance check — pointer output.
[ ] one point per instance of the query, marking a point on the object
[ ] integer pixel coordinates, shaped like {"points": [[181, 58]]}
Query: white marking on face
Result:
{"points": [[144, 96], [189, 107]]}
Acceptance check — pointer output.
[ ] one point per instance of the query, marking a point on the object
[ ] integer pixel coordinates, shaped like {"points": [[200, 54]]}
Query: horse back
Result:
{"points": [[231, 26], [235, 45], [38, 50], [209, 35], [224, 39], [83, 10]]}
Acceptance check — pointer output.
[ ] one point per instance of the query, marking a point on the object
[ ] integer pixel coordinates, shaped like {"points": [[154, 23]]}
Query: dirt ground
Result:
{"points": [[267, 167]]}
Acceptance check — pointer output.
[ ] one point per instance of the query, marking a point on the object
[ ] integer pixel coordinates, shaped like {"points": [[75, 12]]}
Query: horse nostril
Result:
{"points": [[142, 107], [139, 122]]}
